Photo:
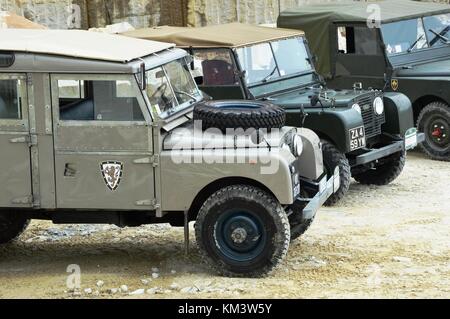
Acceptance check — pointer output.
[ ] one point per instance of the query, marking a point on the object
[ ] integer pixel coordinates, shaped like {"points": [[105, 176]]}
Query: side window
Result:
{"points": [[214, 67], [98, 100], [10, 100], [358, 40]]}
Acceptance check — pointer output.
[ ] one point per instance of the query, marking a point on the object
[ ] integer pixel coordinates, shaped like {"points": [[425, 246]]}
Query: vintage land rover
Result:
{"points": [[97, 128], [396, 45], [364, 132]]}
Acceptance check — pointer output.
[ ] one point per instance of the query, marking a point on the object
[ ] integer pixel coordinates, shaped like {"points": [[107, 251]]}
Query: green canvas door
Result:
{"points": [[15, 143], [103, 143]]}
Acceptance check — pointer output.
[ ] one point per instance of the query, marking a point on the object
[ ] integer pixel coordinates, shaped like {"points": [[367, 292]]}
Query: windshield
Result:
{"points": [[416, 34], [269, 61], [171, 88]]}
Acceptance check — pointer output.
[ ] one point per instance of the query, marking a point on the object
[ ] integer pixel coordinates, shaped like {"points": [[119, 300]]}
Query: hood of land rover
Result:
{"points": [[329, 98], [191, 136], [429, 69]]}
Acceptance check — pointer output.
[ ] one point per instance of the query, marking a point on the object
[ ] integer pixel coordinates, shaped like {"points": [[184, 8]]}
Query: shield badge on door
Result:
{"points": [[112, 173], [394, 84]]}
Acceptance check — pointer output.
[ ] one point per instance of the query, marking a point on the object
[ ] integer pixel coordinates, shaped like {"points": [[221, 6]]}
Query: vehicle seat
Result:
{"points": [[218, 72], [78, 111]]}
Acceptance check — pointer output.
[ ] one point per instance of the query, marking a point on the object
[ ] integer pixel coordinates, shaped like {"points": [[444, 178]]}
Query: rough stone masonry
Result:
{"points": [[84, 14]]}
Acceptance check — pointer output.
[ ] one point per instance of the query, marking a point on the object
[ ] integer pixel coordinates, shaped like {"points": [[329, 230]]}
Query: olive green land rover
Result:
{"points": [[396, 46], [98, 128], [364, 132]]}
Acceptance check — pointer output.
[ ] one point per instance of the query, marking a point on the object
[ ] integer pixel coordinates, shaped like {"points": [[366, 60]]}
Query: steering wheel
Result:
{"points": [[162, 88]]}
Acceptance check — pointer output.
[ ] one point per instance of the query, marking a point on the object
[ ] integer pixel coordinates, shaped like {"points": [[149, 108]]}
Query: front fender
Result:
{"points": [[399, 113], [332, 124], [182, 182]]}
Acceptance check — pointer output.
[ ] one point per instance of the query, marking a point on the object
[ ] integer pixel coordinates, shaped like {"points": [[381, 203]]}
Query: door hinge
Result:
{"points": [[29, 79], [151, 203], [154, 160], [31, 140]]}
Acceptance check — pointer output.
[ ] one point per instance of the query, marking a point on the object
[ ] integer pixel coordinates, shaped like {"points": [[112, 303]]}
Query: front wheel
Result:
{"points": [[385, 173], [434, 121], [333, 158], [11, 226], [242, 231]]}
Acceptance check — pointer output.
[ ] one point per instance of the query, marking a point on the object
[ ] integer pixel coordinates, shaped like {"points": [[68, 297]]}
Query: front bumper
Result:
{"points": [[376, 154], [323, 190], [412, 139]]}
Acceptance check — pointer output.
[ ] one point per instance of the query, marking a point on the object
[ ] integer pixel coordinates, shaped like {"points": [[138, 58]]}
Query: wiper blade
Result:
{"points": [[194, 99], [440, 36], [415, 43], [267, 78]]}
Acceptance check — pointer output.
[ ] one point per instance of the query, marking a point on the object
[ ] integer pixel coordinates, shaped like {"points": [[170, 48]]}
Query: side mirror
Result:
{"points": [[143, 77]]}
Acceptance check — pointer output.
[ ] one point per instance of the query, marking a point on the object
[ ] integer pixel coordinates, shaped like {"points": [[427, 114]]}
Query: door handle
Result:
{"points": [[70, 170]]}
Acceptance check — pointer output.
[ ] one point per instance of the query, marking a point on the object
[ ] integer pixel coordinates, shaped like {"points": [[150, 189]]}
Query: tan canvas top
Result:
{"points": [[10, 20], [80, 44], [225, 35]]}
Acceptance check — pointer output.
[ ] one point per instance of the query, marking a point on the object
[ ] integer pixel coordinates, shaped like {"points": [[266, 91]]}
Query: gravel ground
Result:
{"points": [[391, 241]]}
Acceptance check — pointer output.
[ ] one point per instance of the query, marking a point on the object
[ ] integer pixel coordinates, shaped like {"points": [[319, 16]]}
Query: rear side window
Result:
{"points": [[358, 40], [87, 100], [6, 59], [214, 67], [10, 100]]}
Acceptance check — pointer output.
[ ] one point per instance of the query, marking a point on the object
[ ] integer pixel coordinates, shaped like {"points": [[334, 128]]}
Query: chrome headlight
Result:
{"points": [[357, 108], [297, 145], [378, 106]]}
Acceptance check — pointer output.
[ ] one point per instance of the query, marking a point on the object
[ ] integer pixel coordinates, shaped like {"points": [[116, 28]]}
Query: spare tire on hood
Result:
{"points": [[239, 114]]}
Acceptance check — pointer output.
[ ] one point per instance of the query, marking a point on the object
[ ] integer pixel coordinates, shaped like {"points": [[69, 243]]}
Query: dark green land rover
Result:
{"points": [[364, 132], [396, 45]]}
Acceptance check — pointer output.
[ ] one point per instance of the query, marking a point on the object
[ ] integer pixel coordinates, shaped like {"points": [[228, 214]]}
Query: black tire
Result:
{"points": [[240, 114], [11, 226], [253, 253], [434, 121], [332, 158], [385, 173]]}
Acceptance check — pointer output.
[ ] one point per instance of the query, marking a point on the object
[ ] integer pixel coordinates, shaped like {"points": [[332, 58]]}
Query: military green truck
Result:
{"points": [[364, 132], [96, 128], [396, 45]]}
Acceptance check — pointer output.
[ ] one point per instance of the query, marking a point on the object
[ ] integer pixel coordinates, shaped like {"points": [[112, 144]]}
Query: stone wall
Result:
{"points": [[144, 13]]}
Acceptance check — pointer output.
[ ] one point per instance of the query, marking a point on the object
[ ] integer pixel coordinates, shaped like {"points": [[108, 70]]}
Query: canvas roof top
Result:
{"points": [[79, 44], [225, 35], [317, 20], [357, 11]]}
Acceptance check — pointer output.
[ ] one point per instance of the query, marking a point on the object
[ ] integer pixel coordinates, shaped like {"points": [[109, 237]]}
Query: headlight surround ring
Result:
{"points": [[378, 106]]}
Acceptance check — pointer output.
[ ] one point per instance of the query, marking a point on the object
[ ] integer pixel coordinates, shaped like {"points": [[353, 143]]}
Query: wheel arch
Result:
{"points": [[213, 187], [423, 101]]}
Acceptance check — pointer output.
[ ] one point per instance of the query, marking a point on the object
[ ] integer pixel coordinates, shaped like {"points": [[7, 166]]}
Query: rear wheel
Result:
{"points": [[11, 226], [434, 121], [333, 158], [242, 231], [385, 173]]}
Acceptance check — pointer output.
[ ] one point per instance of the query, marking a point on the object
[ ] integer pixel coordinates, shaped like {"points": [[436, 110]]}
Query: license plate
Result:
{"points": [[357, 138], [411, 139]]}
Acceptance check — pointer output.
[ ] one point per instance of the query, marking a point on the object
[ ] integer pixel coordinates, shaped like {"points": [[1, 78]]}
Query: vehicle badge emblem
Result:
{"points": [[112, 173], [394, 84]]}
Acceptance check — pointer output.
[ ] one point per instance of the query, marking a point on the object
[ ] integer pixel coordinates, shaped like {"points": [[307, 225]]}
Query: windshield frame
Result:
{"points": [[281, 77], [426, 32], [180, 108]]}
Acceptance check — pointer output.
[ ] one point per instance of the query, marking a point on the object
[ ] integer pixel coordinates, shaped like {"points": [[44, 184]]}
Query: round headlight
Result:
{"points": [[378, 105], [357, 108], [297, 145]]}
